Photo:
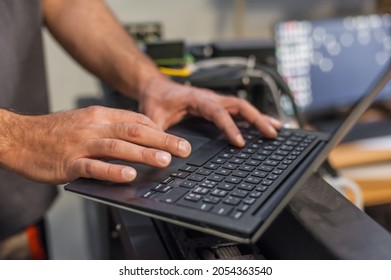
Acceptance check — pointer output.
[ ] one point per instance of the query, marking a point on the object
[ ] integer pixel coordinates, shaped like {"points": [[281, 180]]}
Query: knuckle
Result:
{"points": [[135, 130], [111, 145], [94, 111], [109, 171], [166, 141], [142, 119], [89, 169], [219, 112], [145, 155]]}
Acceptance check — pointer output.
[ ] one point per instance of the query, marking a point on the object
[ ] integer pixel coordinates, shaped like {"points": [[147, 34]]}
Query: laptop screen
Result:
{"points": [[330, 63]]}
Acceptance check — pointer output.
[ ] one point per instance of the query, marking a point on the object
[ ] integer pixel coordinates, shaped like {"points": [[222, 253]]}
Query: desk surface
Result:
{"points": [[368, 163]]}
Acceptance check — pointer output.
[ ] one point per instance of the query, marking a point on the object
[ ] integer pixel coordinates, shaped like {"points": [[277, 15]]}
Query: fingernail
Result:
{"points": [[184, 147], [129, 174], [239, 140], [163, 158], [273, 132], [275, 122]]}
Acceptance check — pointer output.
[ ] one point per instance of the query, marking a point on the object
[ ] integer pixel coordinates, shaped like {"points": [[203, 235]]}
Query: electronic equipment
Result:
{"points": [[328, 64], [222, 190]]}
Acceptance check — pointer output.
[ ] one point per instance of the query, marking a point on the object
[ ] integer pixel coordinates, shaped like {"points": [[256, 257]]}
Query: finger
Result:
{"points": [[96, 169], [122, 150], [267, 125], [150, 137], [119, 115], [224, 122]]}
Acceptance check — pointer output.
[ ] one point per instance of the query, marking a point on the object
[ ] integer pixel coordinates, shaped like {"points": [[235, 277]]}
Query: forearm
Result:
{"points": [[92, 35]]}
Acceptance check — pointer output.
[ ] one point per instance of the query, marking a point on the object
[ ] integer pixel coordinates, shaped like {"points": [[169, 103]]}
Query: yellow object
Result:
{"points": [[182, 72]]}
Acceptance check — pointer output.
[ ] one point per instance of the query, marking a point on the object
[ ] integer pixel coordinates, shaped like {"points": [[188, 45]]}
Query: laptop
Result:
{"points": [[223, 190]]}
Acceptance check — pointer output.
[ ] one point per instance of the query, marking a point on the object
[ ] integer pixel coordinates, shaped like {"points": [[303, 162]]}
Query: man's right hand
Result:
{"points": [[61, 147]]}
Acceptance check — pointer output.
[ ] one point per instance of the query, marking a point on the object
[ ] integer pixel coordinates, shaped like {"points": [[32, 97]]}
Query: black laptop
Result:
{"points": [[223, 190]]}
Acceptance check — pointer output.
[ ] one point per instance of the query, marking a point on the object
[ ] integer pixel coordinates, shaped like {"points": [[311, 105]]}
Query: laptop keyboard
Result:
{"points": [[234, 179]]}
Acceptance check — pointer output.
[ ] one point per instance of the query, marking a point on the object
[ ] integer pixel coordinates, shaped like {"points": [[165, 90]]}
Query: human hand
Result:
{"points": [[167, 102], [61, 147]]}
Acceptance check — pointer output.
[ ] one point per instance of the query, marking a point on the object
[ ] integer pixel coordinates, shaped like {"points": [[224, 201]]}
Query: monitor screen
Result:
{"points": [[329, 64]]}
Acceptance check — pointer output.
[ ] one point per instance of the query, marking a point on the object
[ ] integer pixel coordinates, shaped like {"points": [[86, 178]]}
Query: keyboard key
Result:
{"points": [[188, 168], [148, 194], [236, 215], [271, 162], [226, 186], [265, 153], [218, 160], [292, 157], [248, 150], [283, 166], [276, 157], [222, 210], [232, 150], [265, 168], [282, 153], [277, 171], [219, 193], [243, 156], [216, 178], [240, 174], [196, 205], [247, 168], [230, 166], [211, 199], [188, 184], [167, 180], [232, 200], [161, 188], [258, 157], [246, 186], [249, 200], [267, 182], [200, 190], [173, 195], [233, 180], [255, 194], [211, 165], [253, 180], [196, 178], [261, 188], [239, 193], [205, 172], [291, 143], [222, 171], [236, 160], [225, 155], [260, 174], [208, 184], [181, 174], [253, 162], [254, 146], [272, 177], [286, 148], [193, 197], [243, 207]]}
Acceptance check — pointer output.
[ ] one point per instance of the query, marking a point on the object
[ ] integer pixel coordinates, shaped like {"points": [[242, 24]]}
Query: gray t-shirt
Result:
{"points": [[22, 89]]}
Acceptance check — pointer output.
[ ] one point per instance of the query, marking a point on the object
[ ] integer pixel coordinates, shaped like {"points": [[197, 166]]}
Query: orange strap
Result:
{"points": [[35, 244]]}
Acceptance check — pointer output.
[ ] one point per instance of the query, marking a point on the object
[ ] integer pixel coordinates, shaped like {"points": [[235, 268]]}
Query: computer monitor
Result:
{"points": [[328, 64]]}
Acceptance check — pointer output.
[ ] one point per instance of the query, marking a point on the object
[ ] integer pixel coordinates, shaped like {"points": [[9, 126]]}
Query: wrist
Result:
{"points": [[9, 128], [138, 76]]}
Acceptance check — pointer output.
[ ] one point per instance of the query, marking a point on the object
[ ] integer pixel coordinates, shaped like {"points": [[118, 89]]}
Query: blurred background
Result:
{"points": [[192, 21]]}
